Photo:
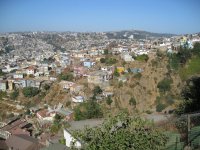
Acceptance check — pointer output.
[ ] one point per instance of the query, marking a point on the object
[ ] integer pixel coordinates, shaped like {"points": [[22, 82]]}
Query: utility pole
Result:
{"points": [[188, 123]]}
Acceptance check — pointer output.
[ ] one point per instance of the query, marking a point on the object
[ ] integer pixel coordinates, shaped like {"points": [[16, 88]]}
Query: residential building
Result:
{"points": [[45, 115], [66, 84], [71, 140], [127, 57], [22, 142], [88, 64], [3, 85], [18, 76], [31, 70], [10, 84], [98, 77]]}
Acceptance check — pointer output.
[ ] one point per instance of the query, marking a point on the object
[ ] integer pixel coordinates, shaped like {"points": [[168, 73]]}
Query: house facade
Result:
{"points": [[3, 85], [98, 77], [30, 70], [70, 140]]}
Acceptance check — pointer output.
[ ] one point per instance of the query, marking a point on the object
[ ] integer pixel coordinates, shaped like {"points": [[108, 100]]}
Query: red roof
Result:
{"points": [[43, 113]]}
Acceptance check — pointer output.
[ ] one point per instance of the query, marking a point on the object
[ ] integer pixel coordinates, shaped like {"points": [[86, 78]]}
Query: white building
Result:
{"points": [[69, 140], [78, 99], [18, 76], [127, 57]]}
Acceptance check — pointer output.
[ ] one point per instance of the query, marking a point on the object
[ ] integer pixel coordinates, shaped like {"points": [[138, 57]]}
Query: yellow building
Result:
{"points": [[120, 69]]}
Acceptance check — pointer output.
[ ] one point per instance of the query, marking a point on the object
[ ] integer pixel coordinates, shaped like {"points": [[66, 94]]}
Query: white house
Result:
{"points": [[44, 115], [30, 70], [69, 140], [18, 76], [66, 84], [127, 57]]}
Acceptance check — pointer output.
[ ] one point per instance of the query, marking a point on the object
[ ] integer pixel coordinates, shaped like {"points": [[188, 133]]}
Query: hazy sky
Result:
{"points": [[168, 16]]}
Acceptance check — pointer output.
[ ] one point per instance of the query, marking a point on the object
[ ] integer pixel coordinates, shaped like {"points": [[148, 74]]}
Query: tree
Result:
{"points": [[3, 95], [102, 60], [93, 110], [143, 57], [190, 95], [196, 49], [110, 61], [164, 85], [129, 70], [184, 54], [120, 84], [106, 52], [66, 77], [88, 110], [109, 101], [55, 128], [97, 90], [160, 107], [132, 102], [14, 94], [57, 118], [124, 133], [116, 73], [30, 91], [1, 73], [46, 87]]}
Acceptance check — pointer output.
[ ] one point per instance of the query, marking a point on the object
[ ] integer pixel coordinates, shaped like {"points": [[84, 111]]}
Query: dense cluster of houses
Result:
{"points": [[21, 73]]}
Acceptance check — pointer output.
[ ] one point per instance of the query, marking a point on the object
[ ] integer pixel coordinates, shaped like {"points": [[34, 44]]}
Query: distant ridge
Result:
{"points": [[136, 34]]}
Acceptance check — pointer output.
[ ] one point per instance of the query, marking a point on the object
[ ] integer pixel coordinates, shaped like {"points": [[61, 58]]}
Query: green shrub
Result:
{"points": [[88, 110], [66, 77], [30, 91], [138, 76], [3, 95], [14, 95], [132, 101], [143, 57], [164, 85], [160, 107]]}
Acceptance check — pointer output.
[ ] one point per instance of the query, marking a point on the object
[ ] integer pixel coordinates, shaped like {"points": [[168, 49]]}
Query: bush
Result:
{"points": [[14, 95], [149, 112], [68, 103], [110, 61], [143, 57], [62, 141], [88, 110], [97, 90], [138, 76], [160, 107], [132, 101], [66, 77], [30, 91], [102, 60], [109, 101], [3, 95], [116, 73], [120, 84], [46, 87], [164, 85], [105, 52], [123, 132], [55, 128], [1, 73], [169, 100]]}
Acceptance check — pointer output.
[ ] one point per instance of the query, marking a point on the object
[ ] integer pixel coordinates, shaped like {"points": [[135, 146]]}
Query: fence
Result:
{"points": [[182, 132]]}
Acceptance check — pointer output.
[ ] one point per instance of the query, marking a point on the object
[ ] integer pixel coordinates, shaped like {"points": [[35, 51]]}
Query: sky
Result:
{"points": [[161, 16]]}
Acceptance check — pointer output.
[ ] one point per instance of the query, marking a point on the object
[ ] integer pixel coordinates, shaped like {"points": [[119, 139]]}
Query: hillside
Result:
{"points": [[136, 34], [144, 88]]}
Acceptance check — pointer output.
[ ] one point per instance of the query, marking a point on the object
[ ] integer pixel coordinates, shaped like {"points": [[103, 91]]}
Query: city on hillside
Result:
{"points": [[98, 90]]}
